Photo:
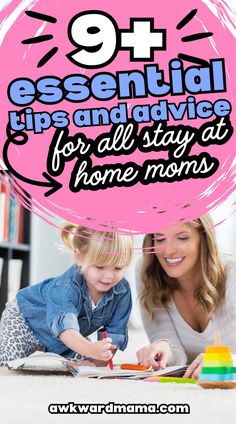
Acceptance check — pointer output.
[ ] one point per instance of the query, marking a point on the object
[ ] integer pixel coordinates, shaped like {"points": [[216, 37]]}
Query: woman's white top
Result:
{"points": [[168, 324]]}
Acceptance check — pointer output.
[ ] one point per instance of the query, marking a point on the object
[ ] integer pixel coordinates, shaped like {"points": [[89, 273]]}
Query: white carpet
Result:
{"points": [[24, 399]]}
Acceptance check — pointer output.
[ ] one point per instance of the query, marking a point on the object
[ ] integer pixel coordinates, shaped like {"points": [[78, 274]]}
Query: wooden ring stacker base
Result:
{"points": [[217, 384]]}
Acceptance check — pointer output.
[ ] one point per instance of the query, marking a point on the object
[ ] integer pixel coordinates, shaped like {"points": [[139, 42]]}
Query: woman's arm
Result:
{"points": [[161, 329], [229, 302]]}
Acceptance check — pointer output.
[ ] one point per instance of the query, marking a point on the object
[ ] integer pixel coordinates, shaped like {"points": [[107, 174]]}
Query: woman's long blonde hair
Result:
{"points": [[97, 247], [158, 285]]}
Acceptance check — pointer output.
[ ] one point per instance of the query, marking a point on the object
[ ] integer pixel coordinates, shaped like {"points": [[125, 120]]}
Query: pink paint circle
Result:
{"points": [[64, 64]]}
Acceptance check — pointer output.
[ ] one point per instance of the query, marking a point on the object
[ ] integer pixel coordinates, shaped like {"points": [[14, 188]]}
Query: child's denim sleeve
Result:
{"points": [[117, 328], [62, 308]]}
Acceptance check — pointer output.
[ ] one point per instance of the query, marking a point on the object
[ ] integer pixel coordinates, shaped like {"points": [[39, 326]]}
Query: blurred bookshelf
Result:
{"points": [[15, 245]]}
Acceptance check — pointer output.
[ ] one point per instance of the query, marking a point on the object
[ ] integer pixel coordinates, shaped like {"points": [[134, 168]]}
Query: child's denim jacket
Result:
{"points": [[63, 302]]}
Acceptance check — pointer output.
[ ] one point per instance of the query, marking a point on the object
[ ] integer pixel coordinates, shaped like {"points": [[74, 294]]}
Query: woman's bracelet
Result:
{"points": [[164, 340]]}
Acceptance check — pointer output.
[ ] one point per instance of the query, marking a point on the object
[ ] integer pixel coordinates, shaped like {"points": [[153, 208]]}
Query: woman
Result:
{"points": [[186, 294]]}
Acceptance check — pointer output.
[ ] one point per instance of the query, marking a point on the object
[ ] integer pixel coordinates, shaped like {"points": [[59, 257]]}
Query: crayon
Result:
{"points": [[159, 379], [135, 367], [110, 362]]}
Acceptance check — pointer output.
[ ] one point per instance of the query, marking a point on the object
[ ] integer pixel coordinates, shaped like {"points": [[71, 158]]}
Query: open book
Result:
{"points": [[47, 362]]}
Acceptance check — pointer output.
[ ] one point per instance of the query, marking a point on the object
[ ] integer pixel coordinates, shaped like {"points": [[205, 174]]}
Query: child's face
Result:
{"points": [[101, 279]]}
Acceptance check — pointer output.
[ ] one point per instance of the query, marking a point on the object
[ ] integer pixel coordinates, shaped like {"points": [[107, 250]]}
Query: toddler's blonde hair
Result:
{"points": [[100, 248]]}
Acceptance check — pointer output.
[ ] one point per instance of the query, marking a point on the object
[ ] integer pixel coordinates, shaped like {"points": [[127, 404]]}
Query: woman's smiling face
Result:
{"points": [[178, 251]]}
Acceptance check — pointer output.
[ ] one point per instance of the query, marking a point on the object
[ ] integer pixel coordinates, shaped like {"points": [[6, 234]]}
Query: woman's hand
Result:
{"points": [[194, 368], [155, 355]]}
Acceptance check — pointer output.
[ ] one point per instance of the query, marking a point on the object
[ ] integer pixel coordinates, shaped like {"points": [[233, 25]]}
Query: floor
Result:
{"points": [[25, 399]]}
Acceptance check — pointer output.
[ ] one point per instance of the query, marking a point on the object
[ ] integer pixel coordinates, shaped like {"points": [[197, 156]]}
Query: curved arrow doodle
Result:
{"points": [[20, 138]]}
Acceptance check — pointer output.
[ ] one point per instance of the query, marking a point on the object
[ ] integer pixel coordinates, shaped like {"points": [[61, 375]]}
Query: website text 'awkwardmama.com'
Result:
{"points": [[117, 408]]}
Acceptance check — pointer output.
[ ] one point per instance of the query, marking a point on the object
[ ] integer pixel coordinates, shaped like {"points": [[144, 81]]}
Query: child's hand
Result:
{"points": [[155, 355], [101, 350]]}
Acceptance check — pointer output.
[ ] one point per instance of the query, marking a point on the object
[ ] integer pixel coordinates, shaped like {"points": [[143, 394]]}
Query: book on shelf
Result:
{"points": [[11, 215], [48, 362], [4, 212], [14, 278], [1, 267], [15, 221]]}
